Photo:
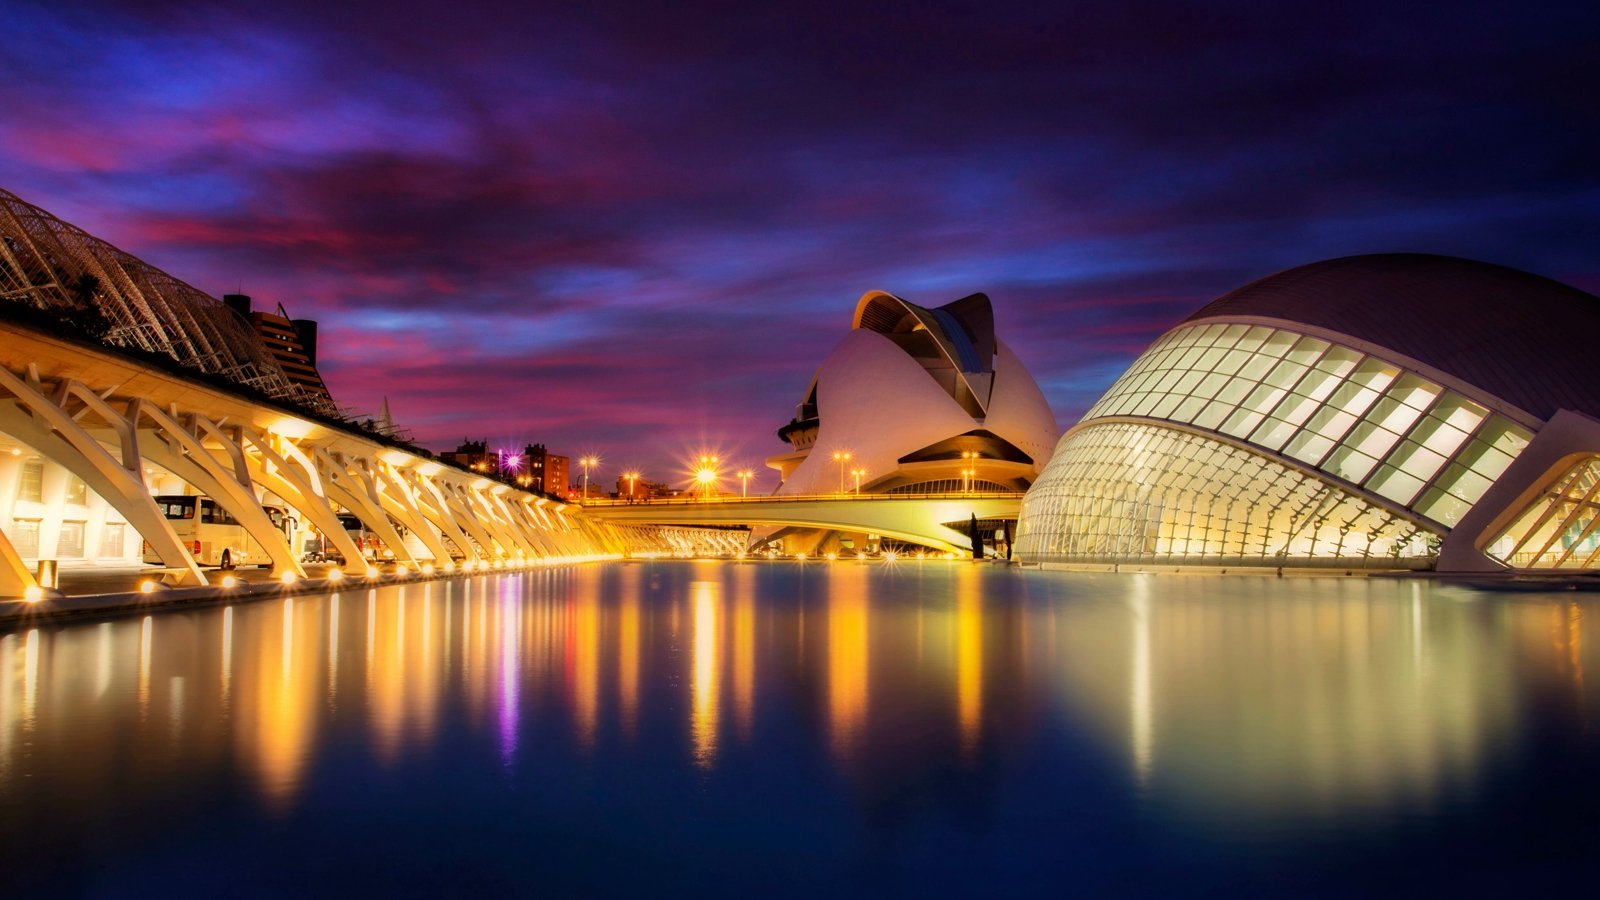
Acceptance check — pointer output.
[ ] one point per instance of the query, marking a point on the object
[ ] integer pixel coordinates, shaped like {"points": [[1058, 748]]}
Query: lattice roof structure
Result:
{"points": [[106, 294]]}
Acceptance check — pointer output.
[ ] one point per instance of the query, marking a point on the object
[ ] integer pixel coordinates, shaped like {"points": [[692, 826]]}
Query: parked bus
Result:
{"points": [[213, 535], [319, 549]]}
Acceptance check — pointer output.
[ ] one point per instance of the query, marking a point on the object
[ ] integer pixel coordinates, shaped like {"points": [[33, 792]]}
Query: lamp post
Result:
{"points": [[858, 473], [588, 462], [968, 470], [841, 457], [707, 474], [630, 477], [744, 482]]}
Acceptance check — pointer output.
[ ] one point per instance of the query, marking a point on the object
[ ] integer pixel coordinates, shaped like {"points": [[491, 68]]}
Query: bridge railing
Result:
{"points": [[799, 498]]}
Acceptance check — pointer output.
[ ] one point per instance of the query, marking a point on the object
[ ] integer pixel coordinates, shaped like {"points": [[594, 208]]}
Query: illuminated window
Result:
{"points": [[1128, 492], [25, 537], [1358, 418], [112, 543], [1558, 529], [69, 545], [31, 488], [77, 491]]}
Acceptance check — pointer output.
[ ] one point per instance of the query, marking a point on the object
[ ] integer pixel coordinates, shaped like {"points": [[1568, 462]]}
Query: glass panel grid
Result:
{"points": [[1129, 492], [1560, 528], [1357, 417]]}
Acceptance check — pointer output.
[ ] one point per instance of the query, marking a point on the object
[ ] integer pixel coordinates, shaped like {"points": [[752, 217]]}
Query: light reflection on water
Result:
{"points": [[835, 698]]}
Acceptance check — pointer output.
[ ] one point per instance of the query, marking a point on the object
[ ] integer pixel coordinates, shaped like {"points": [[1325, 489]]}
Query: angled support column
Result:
{"points": [[300, 484], [400, 501], [184, 455], [43, 424], [351, 492]]}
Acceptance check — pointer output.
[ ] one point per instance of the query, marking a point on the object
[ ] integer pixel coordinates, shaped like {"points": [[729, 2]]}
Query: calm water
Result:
{"points": [[660, 729]]}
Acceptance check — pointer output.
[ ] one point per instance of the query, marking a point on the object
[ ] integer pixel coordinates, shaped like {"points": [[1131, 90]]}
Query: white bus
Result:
{"points": [[212, 535]]}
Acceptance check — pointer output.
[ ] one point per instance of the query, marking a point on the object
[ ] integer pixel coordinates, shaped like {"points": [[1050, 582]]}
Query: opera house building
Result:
{"points": [[916, 400], [1397, 411]]}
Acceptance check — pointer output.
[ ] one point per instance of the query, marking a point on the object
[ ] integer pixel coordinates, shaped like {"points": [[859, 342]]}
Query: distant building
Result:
{"points": [[544, 470], [473, 455], [292, 342], [535, 468], [645, 490]]}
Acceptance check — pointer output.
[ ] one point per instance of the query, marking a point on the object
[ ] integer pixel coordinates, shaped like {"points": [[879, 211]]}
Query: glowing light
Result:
{"points": [[147, 586], [335, 575], [291, 427], [801, 556], [449, 567], [841, 457], [372, 571], [427, 568], [33, 594], [832, 557], [229, 581], [891, 556], [288, 578], [401, 570]]}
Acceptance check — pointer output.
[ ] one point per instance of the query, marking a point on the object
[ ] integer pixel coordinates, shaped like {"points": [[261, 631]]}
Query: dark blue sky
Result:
{"points": [[635, 229]]}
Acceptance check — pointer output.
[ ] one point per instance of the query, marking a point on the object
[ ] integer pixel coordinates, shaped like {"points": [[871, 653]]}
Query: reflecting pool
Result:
{"points": [[789, 729]]}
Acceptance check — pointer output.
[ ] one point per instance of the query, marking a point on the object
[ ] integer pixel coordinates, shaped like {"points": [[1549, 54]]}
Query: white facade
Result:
{"points": [[905, 394], [1246, 437]]}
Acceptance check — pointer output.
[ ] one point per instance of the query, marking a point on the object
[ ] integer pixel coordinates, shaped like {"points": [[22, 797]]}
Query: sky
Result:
{"points": [[634, 230]]}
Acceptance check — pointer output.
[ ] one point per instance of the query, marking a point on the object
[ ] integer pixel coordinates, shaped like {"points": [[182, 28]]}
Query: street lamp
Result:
{"points": [[841, 457], [706, 474], [744, 481], [858, 473], [968, 473], [588, 462], [630, 477]]}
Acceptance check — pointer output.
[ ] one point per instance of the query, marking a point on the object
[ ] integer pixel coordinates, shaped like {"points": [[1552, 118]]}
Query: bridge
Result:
{"points": [[915, 518], [119, 383]]}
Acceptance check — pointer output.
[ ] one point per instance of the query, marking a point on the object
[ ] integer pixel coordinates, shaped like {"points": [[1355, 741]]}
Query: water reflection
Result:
{"points": [[1221, 702]]}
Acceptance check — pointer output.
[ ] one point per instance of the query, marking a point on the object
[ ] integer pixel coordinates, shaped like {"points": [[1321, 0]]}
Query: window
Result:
{"points": [[77, 491], [25, 537], [112, 544], [31, 488], [70, 544]]}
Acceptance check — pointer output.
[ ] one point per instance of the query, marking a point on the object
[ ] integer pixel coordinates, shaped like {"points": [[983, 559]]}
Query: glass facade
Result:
{"points": [[1134, 492], [1355, 416], [1140, 491], [1558, 529]]}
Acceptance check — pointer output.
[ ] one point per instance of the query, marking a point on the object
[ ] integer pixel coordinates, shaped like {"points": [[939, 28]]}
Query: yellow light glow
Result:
{"points": [[449, 567], [291, 427], [33, 593], [395, 457], [705, 476], [147, 586], [228, 581], [372, 571], [891, 556], [427, 569], [288, 578], [335, 575], [401, 570], [832, 557], [801, 556]]}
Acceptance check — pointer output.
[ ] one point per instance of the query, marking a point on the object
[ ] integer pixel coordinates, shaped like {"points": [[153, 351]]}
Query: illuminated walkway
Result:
{"points": [[917, 518]]}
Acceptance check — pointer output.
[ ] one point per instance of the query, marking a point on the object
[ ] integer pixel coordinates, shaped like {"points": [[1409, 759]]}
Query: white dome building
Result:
{"points": [[918, 400], [1395, 411]]}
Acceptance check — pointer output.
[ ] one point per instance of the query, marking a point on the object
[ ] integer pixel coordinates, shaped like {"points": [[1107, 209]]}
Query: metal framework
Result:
{"points": [[65, 275]]}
